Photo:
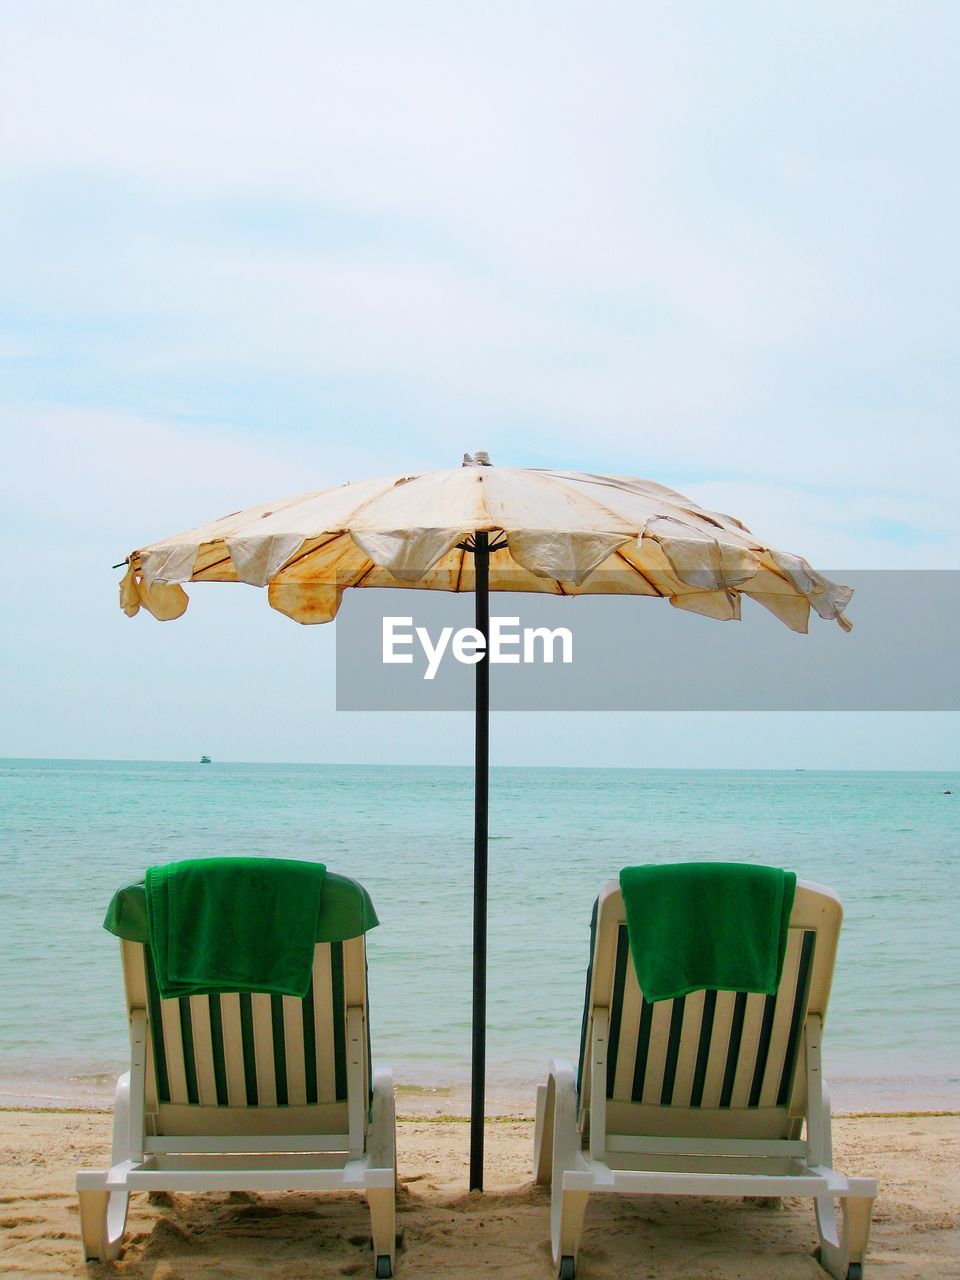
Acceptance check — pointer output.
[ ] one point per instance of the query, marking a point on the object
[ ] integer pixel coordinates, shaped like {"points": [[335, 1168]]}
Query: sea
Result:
{"points": [[72, 831]]}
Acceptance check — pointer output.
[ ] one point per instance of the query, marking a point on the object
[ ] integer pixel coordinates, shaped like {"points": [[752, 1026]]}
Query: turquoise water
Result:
{"points": [[71, 831]]}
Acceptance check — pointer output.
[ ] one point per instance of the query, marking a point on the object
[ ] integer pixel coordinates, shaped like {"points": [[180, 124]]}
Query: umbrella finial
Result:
{"points": [[480, 459]]}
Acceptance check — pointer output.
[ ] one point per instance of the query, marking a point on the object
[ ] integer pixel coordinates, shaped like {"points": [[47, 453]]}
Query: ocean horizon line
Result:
{"points": [[553, 768]]}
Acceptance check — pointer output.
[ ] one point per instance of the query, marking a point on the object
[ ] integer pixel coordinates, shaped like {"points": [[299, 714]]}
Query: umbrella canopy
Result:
{"points": [[481, 528], [559, 532]]}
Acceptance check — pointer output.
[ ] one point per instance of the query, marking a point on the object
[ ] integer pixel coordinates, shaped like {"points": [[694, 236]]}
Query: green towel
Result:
{"points": [[233, 924], [707, 925], [345, 911]]}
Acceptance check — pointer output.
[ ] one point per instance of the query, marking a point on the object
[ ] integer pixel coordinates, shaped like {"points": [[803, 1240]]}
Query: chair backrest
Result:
{"points": [[714, 1063], [255, 1064]]}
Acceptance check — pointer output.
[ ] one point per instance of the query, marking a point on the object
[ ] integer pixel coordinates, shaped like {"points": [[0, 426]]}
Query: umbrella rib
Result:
{"points": [[195, 577], [363, 577], [463, 557], [640, 574], [301, 556]]}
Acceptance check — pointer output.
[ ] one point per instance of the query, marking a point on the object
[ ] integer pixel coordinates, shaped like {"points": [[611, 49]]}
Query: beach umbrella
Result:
{"points": [[482, 528]]}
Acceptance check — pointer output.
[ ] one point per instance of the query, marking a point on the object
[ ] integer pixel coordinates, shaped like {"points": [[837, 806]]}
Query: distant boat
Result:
{"points": [[205, 760]]}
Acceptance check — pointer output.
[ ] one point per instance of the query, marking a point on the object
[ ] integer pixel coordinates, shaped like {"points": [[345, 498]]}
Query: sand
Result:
{"points": [[448, 1232]]}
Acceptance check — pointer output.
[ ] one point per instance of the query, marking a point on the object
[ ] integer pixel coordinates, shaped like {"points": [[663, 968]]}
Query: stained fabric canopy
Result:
{"points": [[559, 532]]}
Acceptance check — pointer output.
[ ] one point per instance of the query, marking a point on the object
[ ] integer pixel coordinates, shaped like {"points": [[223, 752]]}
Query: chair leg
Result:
{"points": [[568, 1208], [103, 1221], [383, 1229], [842, 1249], [543, 1135]]}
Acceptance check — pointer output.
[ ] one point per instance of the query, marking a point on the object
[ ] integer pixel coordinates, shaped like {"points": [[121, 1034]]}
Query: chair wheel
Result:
{"points": [[568, 1268], [384, 1270], [855, 1271]]}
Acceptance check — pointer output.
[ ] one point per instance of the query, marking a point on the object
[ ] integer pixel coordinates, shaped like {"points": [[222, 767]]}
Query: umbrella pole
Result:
{"points": [[481, 562]]}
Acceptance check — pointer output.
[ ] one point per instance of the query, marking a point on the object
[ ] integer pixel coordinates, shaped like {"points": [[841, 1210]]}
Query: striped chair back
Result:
{"points": [[713, 1063], [265, 1063]]}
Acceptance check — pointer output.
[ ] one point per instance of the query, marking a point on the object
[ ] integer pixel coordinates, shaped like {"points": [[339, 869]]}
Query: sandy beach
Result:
{"points": [[448, 1232]]}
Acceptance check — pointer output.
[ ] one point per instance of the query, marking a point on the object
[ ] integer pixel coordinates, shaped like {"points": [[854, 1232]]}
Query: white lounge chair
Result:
{"points": [[712, 1094], [248, 1092]]}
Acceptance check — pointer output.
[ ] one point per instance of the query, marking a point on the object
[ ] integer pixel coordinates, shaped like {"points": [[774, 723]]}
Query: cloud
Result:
{"points": [[87, 474], [352, 332], [251, 252], [838, 528]]}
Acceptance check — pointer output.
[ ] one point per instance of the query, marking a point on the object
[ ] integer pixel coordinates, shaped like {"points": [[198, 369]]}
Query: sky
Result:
{"points": [[251, 250]]}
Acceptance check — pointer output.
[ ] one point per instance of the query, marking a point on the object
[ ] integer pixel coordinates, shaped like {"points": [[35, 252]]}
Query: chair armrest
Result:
{"points": [[382, 1144], [556, 1134]]}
